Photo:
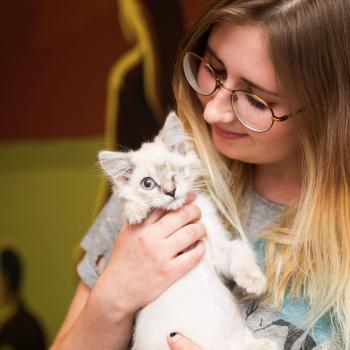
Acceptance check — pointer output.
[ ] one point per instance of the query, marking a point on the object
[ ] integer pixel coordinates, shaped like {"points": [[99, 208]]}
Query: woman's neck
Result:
{"points": [[280, 183]]}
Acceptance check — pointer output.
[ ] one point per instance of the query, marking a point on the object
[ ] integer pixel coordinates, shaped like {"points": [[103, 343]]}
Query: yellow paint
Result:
{"points": [[47, 188]]}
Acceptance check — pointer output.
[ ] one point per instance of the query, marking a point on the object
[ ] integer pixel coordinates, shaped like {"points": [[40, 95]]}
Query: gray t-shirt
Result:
{"points": [[285, 325]]}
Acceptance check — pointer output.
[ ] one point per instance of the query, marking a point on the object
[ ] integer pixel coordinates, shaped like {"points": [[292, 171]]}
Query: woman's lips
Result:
{"points": [[229, 135]]}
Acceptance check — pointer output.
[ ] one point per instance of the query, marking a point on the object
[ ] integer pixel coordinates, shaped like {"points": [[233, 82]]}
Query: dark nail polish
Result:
{"points": [[172, 334]]}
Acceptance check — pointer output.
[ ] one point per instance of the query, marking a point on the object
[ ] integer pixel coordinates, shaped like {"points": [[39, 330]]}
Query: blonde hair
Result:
{"points": [[308, 254]]}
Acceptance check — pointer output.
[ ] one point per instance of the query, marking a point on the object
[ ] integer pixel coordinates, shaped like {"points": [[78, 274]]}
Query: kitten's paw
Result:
{"points": [[135, 217], [251, 279]]}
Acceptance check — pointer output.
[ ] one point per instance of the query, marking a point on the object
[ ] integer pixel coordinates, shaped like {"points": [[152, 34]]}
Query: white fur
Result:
{"points": [[198, 305]]}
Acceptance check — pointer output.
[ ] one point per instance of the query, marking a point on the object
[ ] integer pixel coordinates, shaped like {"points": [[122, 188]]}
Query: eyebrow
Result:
{"points": [[254, 85]]}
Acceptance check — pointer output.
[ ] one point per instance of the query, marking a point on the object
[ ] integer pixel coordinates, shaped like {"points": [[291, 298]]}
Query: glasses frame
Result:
{"points": [[219, 84]]}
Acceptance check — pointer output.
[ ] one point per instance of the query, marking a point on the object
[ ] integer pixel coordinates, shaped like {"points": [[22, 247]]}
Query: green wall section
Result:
{"points": [[48, 191]]}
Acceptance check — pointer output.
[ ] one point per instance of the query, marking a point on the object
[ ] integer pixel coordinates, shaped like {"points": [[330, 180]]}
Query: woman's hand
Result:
{"points": [[177, 341], [146, 257]]}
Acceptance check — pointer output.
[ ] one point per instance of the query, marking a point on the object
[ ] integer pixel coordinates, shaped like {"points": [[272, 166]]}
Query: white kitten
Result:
{"points": [[199, 305]]}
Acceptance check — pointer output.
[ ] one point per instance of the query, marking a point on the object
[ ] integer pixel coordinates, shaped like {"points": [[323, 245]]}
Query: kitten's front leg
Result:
{"points": [[244, 269], [134, 213], [235, 260]]}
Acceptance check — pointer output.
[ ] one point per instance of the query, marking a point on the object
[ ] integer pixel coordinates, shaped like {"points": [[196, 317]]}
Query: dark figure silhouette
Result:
{"points": [[19, 329]]}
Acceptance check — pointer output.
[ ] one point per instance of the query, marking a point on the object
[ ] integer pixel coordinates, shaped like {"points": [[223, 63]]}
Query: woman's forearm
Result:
{"points": [[100, 325]]}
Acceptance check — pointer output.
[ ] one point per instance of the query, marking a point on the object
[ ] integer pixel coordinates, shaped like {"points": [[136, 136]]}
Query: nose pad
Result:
{"points": [[171, 193], [218, 109]]}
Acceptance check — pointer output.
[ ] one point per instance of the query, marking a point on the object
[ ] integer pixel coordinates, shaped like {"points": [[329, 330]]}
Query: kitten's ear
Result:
{"points": [[117, 165], [174, 136]]}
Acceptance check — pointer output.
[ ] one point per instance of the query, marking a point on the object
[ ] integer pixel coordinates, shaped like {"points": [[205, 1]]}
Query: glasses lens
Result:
{"points": [[252, 112], [199, 75]]}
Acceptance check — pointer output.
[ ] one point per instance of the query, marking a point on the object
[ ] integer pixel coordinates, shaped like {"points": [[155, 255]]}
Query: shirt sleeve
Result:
{"points": [[98, 242]]}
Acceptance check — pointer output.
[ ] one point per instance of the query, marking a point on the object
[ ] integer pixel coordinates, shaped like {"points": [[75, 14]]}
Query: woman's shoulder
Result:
{"points": [[106, 224], [99, 240]]}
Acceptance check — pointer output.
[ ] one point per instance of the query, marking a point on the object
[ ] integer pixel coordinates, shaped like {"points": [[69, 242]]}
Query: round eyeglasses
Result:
{"points": [[252, 111]]}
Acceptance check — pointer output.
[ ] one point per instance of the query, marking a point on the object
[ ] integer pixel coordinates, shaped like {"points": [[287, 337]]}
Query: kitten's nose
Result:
{"points": [[171, 193]]}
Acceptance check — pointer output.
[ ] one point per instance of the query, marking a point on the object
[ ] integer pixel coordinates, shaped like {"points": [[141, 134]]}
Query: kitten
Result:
{"points": [[199, 305]]}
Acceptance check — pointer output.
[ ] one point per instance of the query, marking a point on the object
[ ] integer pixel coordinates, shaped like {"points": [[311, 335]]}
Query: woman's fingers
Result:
{"points": [[177, 341], [175, 220], [154, 216], [186, 261], [185, 237]]}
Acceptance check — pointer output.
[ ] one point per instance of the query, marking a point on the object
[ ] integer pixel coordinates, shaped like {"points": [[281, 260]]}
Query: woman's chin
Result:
{"points": [[229, 149]]}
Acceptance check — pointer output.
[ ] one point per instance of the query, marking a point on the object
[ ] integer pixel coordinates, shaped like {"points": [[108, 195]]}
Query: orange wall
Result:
{"points": [[54, 71], [54, 62]]}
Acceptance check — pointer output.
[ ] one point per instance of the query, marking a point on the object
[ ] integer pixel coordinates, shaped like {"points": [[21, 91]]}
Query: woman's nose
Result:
{"points": [[218, 108]]}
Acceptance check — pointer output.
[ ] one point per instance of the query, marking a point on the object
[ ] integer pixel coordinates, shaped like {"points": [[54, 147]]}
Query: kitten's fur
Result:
{"points": [[198, 305]]}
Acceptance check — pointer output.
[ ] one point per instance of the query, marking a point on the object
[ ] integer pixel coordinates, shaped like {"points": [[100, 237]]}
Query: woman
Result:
{"points": [[264, 87]]}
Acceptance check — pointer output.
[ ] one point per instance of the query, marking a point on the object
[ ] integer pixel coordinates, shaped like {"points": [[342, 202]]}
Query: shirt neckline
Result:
{"points": [[266, 201]]}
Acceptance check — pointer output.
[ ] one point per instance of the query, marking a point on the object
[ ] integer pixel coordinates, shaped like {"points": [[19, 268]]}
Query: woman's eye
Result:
{"points": [[256, 103], [148, 183]]}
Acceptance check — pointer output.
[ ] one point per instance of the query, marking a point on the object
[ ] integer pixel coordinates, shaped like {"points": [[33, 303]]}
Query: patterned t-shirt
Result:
{"points": [[284, 326]]}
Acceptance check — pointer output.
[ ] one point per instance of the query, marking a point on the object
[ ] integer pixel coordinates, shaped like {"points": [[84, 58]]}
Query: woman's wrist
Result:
{"points": [[107, 319], [100, 325], [108, 298]]}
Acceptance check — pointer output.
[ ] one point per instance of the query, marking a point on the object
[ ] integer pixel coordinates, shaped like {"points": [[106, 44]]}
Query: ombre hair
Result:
{"points": [[308, 253]]}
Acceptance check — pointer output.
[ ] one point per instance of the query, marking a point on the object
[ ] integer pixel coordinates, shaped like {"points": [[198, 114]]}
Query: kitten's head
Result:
{"points": [[158, 175]]}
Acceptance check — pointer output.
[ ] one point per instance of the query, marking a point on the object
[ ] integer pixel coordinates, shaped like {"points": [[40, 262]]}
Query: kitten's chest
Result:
{"points": [[216, 232]]}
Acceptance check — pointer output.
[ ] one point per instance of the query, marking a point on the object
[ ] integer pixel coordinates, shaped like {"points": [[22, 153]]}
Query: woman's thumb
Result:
{"points": [[177, 341]]}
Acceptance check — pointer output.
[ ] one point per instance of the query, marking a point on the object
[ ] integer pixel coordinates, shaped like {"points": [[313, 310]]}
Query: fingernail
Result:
{"points": [[173, 337]]}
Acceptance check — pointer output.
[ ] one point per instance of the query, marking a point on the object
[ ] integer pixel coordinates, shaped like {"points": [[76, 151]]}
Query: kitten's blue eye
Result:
{"points": [[148, 183]]}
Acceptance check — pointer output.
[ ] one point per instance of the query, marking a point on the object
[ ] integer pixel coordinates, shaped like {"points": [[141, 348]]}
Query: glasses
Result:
{"points": [[252, 111]]}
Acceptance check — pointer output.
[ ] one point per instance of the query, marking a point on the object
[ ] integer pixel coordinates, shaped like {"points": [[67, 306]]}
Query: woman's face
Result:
{"points": [[240, 54]]}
